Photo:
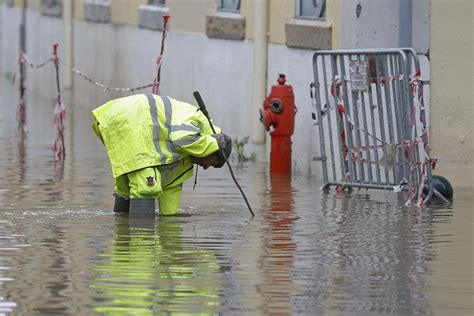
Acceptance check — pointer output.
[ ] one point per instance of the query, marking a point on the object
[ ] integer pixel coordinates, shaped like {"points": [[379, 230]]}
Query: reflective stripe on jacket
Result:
{"points": [[147, 130]]}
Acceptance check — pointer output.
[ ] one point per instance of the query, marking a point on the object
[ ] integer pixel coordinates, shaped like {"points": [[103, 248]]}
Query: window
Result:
{"points": [[150, 15], [311, 9], [52, 8], [157, 2], [309, 29], [227, 22], [97, 11], [228, 5]]}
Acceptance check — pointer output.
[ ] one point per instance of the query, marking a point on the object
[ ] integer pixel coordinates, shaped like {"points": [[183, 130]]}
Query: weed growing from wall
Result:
{"points": [[239, 146]]}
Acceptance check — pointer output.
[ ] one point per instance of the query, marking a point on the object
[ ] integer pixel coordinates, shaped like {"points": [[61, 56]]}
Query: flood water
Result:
{"points": [[64, 252]]}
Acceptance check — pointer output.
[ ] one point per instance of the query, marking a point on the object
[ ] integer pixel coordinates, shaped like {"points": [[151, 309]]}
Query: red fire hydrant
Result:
{"points": [[279, 111]]}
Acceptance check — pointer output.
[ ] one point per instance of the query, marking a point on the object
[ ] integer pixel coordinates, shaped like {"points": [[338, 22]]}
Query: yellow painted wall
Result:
{"points": [[333, 16], [190, 15], [125, 11], [246, 9], [279, 12], [451, 89], [31, 5], [79, 9]]}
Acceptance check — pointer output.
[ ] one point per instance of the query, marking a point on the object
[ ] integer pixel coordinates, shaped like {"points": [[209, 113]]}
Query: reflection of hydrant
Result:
{"points": [[279, 112]]}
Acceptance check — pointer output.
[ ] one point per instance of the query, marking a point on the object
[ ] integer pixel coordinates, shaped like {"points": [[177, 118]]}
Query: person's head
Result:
{"points": [[216, 159]]}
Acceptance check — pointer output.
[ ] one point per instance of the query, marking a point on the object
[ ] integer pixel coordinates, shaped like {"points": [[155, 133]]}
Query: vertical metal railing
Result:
{"points": [[366, 107]]}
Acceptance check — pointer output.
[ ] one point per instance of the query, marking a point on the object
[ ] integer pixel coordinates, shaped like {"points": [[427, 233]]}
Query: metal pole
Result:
{"points": [[156, 82], [328, 114], [22, 48], [365, 119], [202, 106], [56, 65], [320, 118]]}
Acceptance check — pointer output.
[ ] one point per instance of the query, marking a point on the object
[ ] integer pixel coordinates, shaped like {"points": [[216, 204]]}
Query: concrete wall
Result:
{"points": [[368, 24], [372, 26], [452, 116]]}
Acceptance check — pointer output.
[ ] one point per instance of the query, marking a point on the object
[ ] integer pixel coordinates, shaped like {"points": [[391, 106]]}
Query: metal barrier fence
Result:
{"points": [[369, 107]]}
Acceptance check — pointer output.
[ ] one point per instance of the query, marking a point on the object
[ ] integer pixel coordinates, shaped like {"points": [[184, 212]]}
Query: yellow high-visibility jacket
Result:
{"points": [[146, 130]]}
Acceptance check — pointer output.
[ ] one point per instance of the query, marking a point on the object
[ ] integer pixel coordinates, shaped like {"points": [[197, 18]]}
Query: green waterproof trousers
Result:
{"points": [[146, 184]]}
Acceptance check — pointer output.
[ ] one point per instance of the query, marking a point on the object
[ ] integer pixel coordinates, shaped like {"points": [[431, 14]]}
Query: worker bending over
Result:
{"points": [[152, 142]]}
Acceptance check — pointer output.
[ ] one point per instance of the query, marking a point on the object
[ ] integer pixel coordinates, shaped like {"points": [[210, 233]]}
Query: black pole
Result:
{"points": [[56, 65], [202, 106], [22, 48], [155, 89]]}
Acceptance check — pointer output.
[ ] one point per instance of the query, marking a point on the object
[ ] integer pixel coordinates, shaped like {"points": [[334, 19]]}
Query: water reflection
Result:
{"points": [[58, 166], [21, 156], [148, 269], [374, 256], [277, 256]]}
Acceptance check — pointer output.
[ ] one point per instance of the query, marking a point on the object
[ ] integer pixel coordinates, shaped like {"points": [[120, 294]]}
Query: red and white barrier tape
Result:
{"points": [[26, 60], [105, 87], [157, 79], [23, 59]]}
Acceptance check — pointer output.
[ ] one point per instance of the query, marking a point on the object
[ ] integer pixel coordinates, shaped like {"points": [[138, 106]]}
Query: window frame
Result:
{"points": [[220, 7], [161, 3], [52, 8], [309, 17]]}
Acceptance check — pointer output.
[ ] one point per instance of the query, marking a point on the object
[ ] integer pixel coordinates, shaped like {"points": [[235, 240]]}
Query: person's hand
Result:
{"points": [[206, 162]]}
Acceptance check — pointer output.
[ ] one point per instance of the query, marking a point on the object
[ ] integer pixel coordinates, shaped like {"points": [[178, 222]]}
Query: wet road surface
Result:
{"points": [[64, 252]]}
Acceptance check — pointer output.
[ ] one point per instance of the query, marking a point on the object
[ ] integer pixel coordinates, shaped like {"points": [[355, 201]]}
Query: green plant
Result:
{"points": [[239, 148]]}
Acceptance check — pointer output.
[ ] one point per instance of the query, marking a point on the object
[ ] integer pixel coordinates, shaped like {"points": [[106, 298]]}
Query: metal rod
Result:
{"points": [[378, 62], [156, 83], [406, 112], [320, 120], [364, 119], [22, 48], [56, 65], [372, 121], [328, 114], [202, 106], [339, 118], [398, 153], [347, 111], [355, 99], [388, 85]]}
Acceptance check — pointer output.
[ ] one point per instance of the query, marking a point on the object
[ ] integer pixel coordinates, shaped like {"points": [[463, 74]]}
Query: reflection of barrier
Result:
{"points": [[370, 110]]}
